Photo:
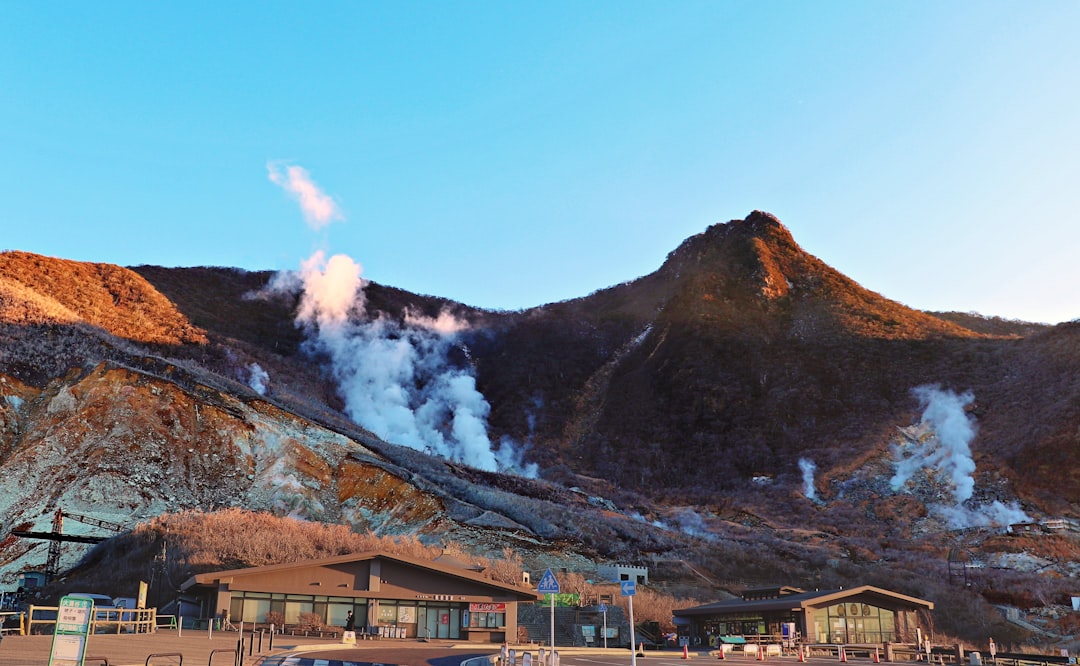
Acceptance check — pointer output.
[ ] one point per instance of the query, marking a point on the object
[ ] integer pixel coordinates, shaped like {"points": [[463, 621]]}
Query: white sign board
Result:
{"points": [[72, 629]]}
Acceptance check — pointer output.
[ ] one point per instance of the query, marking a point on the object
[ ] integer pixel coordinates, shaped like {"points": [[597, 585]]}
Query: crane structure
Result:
{"points": [[57, 537]]}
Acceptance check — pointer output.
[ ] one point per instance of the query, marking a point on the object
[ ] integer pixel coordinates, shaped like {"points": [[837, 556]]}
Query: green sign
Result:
{"points": [[73, 619], [571, 599]]}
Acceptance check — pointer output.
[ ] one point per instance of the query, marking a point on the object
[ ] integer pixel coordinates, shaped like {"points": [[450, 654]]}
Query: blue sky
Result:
{"points": [[508, 154]]}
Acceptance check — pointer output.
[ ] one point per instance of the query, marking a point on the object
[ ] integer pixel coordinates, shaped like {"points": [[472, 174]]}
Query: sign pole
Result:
{"points": [[552, 625], [629, 589], [603, 609], [550, 585]]}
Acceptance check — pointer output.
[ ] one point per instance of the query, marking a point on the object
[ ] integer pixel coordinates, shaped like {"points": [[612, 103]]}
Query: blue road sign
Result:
{"points": [[628, 588], [548, 584], [603, 608]]}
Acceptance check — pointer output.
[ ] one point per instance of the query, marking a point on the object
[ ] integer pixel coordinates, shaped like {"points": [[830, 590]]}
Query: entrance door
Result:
{"points": [[433, 626], [422, 623]]}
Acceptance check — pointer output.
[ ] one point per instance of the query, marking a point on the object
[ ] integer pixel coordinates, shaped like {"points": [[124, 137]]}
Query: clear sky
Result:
{"points": [[508, 154]]}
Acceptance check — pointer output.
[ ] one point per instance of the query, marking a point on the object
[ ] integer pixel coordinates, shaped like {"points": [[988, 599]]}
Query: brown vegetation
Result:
{"points": [[36, 290]]}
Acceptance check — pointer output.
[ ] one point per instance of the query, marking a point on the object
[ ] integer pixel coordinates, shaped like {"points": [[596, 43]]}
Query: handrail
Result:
{"points": [[139, 620], [223, 650], [165, 654]]}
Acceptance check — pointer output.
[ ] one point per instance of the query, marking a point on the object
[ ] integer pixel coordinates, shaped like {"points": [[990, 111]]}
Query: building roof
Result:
{"points": [[212, 577], [801, 601]]}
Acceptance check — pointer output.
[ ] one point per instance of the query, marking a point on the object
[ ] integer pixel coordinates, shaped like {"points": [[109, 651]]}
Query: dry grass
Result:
{"points": [[43, 290], [195, 542]]}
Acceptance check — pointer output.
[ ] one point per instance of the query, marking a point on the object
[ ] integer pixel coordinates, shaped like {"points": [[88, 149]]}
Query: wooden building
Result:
{"points": [[390, 595], [860, 615]]}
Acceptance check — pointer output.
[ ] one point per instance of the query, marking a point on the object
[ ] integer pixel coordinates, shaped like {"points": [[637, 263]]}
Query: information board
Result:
{"points": [[72, 629]]}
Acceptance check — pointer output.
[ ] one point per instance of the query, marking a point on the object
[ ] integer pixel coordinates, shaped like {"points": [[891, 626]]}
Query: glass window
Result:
{"points": [[294, 609], [255, 610]]}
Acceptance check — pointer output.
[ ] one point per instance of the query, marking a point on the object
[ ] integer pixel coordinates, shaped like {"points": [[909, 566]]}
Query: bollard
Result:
{"points": [[720, 651], [802, 655], [842, 652]]}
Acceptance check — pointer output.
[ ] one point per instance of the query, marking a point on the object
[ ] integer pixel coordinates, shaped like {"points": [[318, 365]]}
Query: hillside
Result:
{"points": [[745, 407]]}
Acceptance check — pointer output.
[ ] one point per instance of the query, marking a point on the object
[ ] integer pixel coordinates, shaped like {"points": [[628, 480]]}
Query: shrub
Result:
{"points": [[310, 622]]}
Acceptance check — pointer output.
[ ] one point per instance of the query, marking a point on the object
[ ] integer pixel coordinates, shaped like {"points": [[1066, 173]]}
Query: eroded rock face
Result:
{"points": [[124, 446]]}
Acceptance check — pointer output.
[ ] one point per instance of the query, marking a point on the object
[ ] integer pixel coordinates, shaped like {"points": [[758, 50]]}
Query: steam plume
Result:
{"points": [[808, 468], [319, 209], [396, 378], [259, 379], [948, 452]]}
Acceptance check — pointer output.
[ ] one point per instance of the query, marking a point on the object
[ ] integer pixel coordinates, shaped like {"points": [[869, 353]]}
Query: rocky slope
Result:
{"points": [[745, 407]]}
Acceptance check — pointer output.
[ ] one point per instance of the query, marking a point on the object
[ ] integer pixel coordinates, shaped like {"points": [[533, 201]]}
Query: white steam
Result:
{"points": [[319, 209], [259, 380], [946, 452], [808, 468], [396, 378]]}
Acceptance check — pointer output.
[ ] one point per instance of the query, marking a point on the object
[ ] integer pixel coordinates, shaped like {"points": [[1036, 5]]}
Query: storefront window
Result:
{"points": [[256, 607], [854, 623], [486, 616]]}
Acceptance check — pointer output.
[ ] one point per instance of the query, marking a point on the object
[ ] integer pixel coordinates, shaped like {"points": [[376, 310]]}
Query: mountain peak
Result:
{"points": [[745, 265]]}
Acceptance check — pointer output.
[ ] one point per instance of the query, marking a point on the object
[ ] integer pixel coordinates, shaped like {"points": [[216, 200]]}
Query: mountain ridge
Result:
{"points": [[668, 415]]}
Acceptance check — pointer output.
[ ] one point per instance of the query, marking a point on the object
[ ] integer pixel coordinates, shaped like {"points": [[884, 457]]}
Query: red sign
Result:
{"points": [[477, 607]]}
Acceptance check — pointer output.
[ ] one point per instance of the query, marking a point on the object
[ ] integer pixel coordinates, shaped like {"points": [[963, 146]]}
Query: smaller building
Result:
{"points": [[388, 594], [860, 615], [615, 573], [29, 580]]}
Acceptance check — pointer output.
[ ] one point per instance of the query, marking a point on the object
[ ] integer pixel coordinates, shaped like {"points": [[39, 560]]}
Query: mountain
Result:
{"points": [[745, 407]]}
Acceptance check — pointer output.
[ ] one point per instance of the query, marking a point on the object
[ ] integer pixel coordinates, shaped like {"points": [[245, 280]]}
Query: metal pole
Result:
{"points": [[552, 622], [605, 629], [633, 648]]}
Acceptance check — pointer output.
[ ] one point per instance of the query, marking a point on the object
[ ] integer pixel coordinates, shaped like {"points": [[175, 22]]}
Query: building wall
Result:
{"points": [[381, 592], [620, 572]]}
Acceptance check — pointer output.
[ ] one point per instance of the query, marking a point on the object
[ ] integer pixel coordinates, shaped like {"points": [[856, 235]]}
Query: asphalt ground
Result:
{"points": [[390, 654], [202, 649], [167, 648]]}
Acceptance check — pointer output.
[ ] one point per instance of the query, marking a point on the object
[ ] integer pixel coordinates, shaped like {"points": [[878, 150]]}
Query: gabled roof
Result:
{"points": [[211, 577], [805, 600]]}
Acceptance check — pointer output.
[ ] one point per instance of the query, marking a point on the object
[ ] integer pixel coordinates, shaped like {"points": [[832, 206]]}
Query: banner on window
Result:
{"points": [[477, 607]]}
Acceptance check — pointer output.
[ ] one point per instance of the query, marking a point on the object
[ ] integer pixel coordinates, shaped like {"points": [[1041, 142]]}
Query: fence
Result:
{"points": [[106, 620]]}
